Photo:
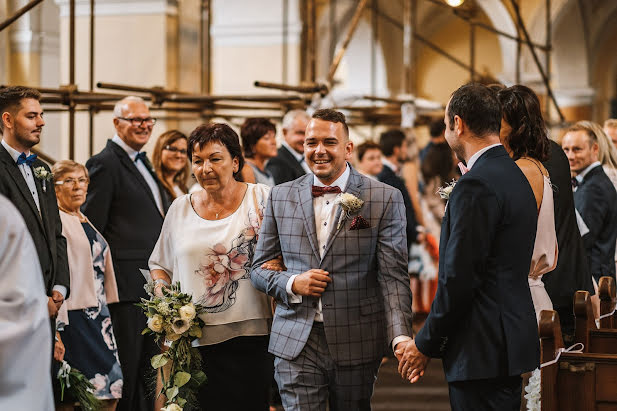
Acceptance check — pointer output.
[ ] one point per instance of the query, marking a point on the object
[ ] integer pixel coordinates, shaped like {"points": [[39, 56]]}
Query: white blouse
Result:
{"points": [[212, 260]]}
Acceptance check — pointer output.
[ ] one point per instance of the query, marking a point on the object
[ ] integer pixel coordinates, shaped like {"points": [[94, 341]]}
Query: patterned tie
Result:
{"points": [[27, 160], [318, 191], [575, 182]]}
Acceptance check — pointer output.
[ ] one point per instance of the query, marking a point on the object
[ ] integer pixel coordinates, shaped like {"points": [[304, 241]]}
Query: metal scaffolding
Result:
{"points": [[205, 105]]}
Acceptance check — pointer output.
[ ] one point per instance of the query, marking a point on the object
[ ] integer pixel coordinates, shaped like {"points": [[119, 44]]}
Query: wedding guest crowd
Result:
{"points": [[90, 229]]}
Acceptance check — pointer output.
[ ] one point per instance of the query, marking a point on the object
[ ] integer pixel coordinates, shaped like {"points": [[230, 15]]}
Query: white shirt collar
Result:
{"points": [[580, 176], [298, 156], [14, 153], [390, 164], [476, 156], [341, 182], [129, 150]]}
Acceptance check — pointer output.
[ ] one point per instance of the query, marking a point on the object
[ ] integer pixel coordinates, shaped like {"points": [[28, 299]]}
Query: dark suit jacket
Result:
{"points": [[388, 177], [482, 322], [46, 228], [121, 206], [572, 271], [284, 167], [596, 201]]}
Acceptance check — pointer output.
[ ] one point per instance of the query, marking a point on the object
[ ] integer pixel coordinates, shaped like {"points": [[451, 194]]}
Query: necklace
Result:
{"points": [[77, 213]]}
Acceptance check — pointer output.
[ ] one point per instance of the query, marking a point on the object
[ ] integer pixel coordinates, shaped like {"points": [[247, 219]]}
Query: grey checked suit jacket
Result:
{"points": [[368, 302]]}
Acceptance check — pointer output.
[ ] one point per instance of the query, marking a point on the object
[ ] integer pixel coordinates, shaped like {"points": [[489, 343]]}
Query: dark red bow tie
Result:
{"points": [[318, 191]]}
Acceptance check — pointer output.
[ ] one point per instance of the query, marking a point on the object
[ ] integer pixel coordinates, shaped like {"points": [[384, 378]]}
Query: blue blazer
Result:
{"points": [[482, 322]]}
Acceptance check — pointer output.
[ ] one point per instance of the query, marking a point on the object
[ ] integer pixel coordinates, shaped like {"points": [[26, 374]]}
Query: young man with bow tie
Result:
{"points": [[126, 202], [344, 297], [26, 182]]}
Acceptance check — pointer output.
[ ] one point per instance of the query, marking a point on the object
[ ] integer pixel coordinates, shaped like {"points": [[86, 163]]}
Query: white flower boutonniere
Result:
{"points": [[42, 174], [444, 192], [350, 204]]}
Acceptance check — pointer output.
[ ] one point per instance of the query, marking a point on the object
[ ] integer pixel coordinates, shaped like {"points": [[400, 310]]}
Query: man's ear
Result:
{"points": [[459, 125], [7, 120]]}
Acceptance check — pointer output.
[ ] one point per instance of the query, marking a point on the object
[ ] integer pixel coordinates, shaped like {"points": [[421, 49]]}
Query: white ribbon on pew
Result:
{"points": [[609, 314], [572, 348]]}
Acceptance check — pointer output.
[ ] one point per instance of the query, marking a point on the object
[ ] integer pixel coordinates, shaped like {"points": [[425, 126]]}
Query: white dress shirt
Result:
{"points": [[299, 157], [325, 213], [26, 171], [581, 176], [143, 170], [390, 164], [476, 156]]}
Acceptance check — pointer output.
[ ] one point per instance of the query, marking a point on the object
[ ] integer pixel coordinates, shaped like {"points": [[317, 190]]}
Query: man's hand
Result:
{"points": [[275, 264], [411, 361], [59, 348], [58, 298], [311, 283], [52, 308]]}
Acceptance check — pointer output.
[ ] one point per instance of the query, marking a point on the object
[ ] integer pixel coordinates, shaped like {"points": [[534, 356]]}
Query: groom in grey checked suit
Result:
{"points": [[344, 296]]}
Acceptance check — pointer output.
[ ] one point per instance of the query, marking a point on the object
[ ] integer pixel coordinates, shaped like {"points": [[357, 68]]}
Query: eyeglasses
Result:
{"points": [[175, 150], [138, 122], [82, 182]]}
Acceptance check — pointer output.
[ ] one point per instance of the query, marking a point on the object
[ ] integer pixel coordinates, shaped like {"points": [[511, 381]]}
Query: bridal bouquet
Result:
{"points": [[173, 317]]}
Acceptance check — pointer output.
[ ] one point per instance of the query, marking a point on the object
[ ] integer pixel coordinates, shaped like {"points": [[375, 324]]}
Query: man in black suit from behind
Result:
{"points": [[289, 163], [482, 322], [394, 148], [23, 182], [595, 198], [127, 203]]}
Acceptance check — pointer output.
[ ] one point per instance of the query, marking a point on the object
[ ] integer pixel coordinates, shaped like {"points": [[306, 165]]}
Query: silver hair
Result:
{"points": [[291, 115], [120, 105]]}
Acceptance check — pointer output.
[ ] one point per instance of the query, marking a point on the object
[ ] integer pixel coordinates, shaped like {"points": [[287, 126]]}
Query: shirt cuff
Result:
{"points": [[399, 339], [293, 299], [61, 289]]}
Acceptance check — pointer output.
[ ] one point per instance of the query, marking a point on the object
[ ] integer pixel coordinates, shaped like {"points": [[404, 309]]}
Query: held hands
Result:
{"points": [[412, 362], [311, 283], [52, 309], [58, 348], [58, 298]]}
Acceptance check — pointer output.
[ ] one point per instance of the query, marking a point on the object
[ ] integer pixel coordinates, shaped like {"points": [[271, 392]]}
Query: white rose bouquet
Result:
{"points": [[175, 318]]}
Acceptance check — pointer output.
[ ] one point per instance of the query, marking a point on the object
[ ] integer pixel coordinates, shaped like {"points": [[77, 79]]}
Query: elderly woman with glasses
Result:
{"points": [[171, 162], [88, 335]]}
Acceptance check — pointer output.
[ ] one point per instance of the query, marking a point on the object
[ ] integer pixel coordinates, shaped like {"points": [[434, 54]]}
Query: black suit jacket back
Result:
{"points": [[121, 206], [284, 167], [596, 201], [46, 228], [482, 322], [572, 271], [388, 177]]}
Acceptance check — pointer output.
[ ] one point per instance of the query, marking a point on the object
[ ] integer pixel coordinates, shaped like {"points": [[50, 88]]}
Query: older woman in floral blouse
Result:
{"points": [[207, 243]]}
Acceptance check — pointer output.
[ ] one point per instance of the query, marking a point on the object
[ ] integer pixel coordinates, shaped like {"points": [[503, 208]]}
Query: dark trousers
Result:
{"points": [[495, 394], [239, 372], [134, 351]]}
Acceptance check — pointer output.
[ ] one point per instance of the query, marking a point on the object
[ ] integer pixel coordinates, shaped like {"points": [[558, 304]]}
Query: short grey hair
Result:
{"points": [[291, 115], [120, 105]]}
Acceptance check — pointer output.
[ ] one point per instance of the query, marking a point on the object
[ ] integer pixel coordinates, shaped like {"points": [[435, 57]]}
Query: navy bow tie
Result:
{"points": [[27, 160], [141, 156]]}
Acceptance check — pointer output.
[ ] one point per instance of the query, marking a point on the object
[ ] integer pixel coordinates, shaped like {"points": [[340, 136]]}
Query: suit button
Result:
{"points": [[314, 304]]}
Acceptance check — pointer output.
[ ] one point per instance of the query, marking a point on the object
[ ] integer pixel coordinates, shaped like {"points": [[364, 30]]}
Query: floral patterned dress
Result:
{"points": [[212, 260], [89, 337]]}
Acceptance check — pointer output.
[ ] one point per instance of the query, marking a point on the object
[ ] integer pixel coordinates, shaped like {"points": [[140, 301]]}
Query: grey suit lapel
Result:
{"points": [[306, 203], [354, 186]]}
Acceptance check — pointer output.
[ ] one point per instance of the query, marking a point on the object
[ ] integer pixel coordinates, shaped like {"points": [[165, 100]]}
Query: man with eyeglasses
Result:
{"points": [[26, 181], [126, 202]]}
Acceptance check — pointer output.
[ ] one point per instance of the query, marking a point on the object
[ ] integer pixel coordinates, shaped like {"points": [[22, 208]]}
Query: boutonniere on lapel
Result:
{"points": [[444, 192], [350, 205], [42, 174]]}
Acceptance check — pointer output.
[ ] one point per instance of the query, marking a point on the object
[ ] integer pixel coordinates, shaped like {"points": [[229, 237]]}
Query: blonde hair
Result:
{"points": [[182, 176], [607, 153], [62, 167]]}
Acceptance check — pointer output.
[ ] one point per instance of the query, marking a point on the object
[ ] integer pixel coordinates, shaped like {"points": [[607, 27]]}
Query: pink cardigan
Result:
{"points": [[83, 293]]}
